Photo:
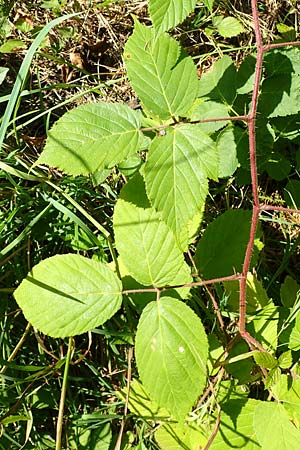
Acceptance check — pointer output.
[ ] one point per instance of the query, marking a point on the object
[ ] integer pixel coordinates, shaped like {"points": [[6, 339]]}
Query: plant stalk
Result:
{"points": [[60, 417]]}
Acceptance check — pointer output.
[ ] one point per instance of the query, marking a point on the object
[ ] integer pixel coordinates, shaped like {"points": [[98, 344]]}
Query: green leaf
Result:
{"points": [[147, 246], [246, 75], [95, 438], [164, 79], [3, 73], [208, 109], [272, 427], [282, 61], [12, 45], [139, 403], [272, 377], [278, 166], [287, 390], [294, 343], [263, 325], [92, 137], [209, 4], [180, 436], [166, 14], [171, 353], [288, 291], [68, 294], [219, 82], [227, 142], [292, 194], [229, 230], [236, 428], [280, 95], [285, 360], [176, 173], [243, 368], [230, 27], [265, 360]]}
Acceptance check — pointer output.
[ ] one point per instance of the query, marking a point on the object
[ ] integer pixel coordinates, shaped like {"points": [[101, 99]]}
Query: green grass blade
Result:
{"points": [[24, 70]]}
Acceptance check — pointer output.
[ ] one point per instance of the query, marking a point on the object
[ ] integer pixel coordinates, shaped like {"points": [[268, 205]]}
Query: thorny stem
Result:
{"points": [[253, 166]]}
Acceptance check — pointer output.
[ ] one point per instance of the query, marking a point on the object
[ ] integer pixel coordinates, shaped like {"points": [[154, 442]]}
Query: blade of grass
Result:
{"points": [[24, 71], [24, 233]]}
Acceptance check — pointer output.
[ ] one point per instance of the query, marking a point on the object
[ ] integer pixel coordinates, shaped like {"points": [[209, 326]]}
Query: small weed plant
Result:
{"points": [[167, 254]]}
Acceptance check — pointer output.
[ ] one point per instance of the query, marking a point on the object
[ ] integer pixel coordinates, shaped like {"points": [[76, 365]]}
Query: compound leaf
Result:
{"points": [[68, 294], [147, 246], [166, 14], [92, 137], [272, 426], [176, 173], [165, 81], [171, 352]]}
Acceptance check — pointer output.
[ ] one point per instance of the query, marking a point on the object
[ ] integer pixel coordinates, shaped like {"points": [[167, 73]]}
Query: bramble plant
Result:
{"points": [[186, 133]]}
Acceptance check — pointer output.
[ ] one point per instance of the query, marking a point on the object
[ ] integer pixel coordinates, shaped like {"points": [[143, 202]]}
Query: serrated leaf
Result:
{"points": [[180, 436], [68, 294], [236, 428], [147, 246], [272, 426], [171, 353], [265, 359], [176, 173], [165, 81], [294, 343], [230, 27], [92, 137], [229, 231], [166, 14], [219, 82], [227, 143], [203, 110]]}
